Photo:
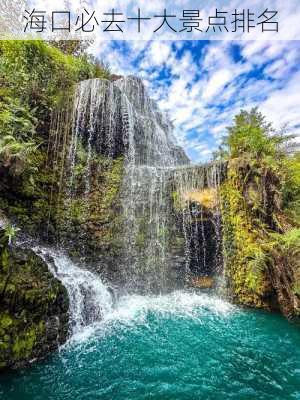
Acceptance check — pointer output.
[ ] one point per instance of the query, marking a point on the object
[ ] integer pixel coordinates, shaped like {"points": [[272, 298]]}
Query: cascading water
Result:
{"points": [[118, 118], [151, 155], [89, 298], [197, 189], [94, 306]]}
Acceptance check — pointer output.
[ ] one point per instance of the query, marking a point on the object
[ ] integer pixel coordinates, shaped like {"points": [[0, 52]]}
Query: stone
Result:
{"points": [[202, 282], [206, 197], [33, 308]]}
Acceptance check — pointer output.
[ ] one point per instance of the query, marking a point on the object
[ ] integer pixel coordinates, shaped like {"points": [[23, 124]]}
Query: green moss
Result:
{"points": [[30, 298], [5, 321], [24, 343], [29, 64], [296, 288], [77, 209], [245, 246], [4, 260], [93, 217], [141, 240], [177, 201]]}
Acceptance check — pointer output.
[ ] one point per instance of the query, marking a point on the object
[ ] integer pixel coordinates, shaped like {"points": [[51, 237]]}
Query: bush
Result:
{"points": [[34, 78]]}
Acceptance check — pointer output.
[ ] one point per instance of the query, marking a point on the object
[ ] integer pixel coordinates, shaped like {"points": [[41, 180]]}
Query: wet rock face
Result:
{"points": [[119, 118], [116, 180], [33, 308], [204, 243], [100, 120], [196, 205]]}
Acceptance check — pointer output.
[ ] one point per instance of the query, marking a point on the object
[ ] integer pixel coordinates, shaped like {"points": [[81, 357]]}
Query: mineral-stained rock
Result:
{"points": [[33, 308], [206, 197], [202, 282]]}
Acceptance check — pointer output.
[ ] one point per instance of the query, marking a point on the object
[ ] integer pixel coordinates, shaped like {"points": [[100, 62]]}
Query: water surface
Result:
{"points": [[179, 346]]}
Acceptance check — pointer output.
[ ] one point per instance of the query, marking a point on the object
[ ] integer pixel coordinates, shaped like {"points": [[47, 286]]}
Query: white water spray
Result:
{"points": [[90, 300]]}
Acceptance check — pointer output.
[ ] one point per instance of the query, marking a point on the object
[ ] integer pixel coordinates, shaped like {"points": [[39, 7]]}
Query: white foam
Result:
{"points": [[92, 309], [90, 300], [135, 308]]}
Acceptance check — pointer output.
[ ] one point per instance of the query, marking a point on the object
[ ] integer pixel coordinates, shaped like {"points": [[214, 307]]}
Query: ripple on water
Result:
{"points": [[177, 346]]}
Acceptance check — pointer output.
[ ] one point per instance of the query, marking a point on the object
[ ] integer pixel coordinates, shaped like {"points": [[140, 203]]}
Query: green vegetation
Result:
{"points": [[29, 298], [93, 218], [36, 78], [10, 233], [260, 199]]}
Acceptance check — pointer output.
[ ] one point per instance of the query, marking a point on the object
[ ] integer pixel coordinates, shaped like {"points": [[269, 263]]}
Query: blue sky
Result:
{"points": [[202, 85]]}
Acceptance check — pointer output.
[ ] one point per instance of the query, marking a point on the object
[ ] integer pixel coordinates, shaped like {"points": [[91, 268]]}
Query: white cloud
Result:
{"points": [[202, 89], [159, 52], [283, 105], [217, 82]]}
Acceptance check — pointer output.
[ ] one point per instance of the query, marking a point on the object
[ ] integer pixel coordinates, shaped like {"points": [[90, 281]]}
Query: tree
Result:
{"points": [[250, 134]]}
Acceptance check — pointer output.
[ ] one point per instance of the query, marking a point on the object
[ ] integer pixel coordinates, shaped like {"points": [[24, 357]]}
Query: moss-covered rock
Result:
{"points": [[260, 271], [285, 271], [33, 307], [89, 223], [86, 223], [244, 242]]}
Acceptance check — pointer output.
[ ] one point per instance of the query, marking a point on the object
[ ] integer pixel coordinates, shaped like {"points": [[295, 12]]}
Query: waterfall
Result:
{"points": [[197, 188], [94, 306], [151, 154], [113, 119], [89, 298]]}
